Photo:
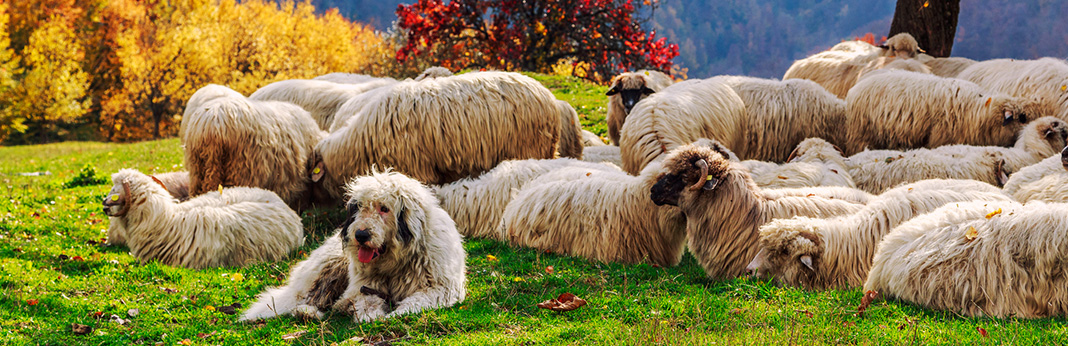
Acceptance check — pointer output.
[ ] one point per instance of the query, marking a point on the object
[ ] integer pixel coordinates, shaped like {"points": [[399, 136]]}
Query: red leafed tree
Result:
{"points": [[598, 37]]}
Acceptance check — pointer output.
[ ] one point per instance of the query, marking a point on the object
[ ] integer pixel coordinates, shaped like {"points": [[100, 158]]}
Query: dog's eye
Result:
{"points": [[383, 209]]}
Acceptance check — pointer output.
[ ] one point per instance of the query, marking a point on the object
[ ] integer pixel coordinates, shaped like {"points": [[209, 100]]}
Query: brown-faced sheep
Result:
{"points": [[476, 204], [1045, 79], [877, 170], [998, 259], [625, 91], [233, 227], [724, 208], [320, 98], [898, 109], [901, 45], [570, 131], [234, 141], [1045, 181], [176, 183], [418, 129], [837, 252]]}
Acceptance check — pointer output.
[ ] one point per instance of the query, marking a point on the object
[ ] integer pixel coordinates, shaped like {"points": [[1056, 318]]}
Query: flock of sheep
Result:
{"points": [[933, 180]]}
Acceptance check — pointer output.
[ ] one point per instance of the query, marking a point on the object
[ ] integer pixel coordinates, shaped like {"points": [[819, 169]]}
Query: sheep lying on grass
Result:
{"points": [[724, 208], [442, 129], [232, 227], [998, 259], [899, 109], [877, 170], [476, 204], [625, 91], [570, 143], [837, 252], [234, 141], [1045, 181], [814, 162], [176, 183]]}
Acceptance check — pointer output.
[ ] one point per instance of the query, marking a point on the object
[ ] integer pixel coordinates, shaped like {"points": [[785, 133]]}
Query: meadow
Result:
{"points": [[56, 271]]}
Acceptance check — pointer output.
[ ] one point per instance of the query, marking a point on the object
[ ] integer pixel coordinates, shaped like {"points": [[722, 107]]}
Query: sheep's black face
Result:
{"points": [[667, 189], [630, 97]]}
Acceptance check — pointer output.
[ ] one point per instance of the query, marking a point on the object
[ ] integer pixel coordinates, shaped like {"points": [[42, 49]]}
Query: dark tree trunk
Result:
{"points": [[932, 22]]}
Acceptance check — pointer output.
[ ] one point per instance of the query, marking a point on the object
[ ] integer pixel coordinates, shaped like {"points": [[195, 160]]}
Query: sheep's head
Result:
{"points": [[117, 203], [1044, 135], [631, 88], [690, 169], [1012, 111], [790, 251], [815, 148], [902, 45]]}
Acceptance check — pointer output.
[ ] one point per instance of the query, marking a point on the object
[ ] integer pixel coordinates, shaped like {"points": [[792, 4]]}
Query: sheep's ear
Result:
{"points": [[317, 172], [836, 148], [647, 91], [807, 261], [999, 173], [1007, 118], [158, 181], [793, 155], [614, 90]]}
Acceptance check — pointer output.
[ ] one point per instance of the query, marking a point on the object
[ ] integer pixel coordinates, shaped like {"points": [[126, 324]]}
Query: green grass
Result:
{"points": [[51, 252]]}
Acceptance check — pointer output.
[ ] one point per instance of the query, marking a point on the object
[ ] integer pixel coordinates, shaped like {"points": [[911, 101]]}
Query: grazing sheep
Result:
{"points": [[590, 139], [232, 227], [442, 129], [570, 131], [1045, 79], [476, 204], [1045, 181], [814, 162], [946, 67], [234, 141], [997, 259], [604, 153], [397, 253], [837, 252], [353, 78], [176, 184], [878, 170], [625, 91], [899, 109], [321, 99], [724, 208], [838, 70]]}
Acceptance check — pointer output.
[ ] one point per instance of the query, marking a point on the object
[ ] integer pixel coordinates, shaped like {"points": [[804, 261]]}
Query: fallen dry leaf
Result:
{"points": [[205, 335], [31, 302], [80, 329], [782, 177], [981, 331], [991, 214], [869, 296], [294, 335], [549, 270], [971, 234], [565, 302], [736, 311]]}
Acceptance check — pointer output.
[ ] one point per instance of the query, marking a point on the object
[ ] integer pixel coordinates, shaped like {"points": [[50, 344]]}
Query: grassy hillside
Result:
{"points": [[55, 271]]}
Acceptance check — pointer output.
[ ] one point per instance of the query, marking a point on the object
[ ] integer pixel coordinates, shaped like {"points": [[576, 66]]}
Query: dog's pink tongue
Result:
{"points": [[366, 255]]}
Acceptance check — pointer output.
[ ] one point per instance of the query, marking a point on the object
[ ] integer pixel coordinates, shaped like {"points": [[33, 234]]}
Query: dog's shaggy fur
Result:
{"points": [[398, 252]]}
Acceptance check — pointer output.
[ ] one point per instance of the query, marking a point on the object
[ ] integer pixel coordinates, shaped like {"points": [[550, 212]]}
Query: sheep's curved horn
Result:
{"points": [[793, 155], [838, 149], [703, 165], [807, 261], [125, 199]]}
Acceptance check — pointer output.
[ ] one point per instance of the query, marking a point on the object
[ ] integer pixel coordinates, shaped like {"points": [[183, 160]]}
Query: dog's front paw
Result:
{"points": [[404, 309], [363, 308], [307, 312]]}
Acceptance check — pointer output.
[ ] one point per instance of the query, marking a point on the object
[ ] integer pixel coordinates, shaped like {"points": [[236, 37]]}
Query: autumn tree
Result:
{"points": [[603, 36], [10, 121], [932, 22]]}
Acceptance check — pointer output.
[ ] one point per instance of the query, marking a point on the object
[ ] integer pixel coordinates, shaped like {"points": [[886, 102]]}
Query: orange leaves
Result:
{"points": [[993, 213], [564, 302], [869, 296], [971, 234]]}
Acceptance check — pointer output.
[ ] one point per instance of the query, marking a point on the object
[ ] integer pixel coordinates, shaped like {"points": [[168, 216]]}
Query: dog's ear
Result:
{"points": [[404, 226]]}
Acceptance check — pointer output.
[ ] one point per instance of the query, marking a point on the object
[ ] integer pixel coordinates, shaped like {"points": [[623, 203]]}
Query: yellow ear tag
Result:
{"points": [[1064, 87], [988, 99], [646, 73], [316, 170], [708, 178]]}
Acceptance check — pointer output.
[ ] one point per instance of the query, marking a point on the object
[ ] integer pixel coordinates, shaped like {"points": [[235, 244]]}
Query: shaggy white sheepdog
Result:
{"points": [[398, 252]]}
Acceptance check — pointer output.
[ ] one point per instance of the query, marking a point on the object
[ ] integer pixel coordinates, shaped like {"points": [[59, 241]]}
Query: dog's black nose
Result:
{"points": [[362, 236]]}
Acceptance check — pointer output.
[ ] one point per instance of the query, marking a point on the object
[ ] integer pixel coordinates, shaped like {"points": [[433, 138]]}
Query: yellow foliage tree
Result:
{"points": [[9, 63], [53, 86]]}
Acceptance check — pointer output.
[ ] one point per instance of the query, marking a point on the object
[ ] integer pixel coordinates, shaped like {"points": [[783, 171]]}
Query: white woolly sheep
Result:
{"points": [[1045, 181], [878, 170], [321, 99], [949, 67], [603, 153], [898, 109], [204, 95], [570, 143], [434, 72], [901, 45], [1045, 79], [234, 141], [724, 208], [837, 252], [476, 204], [233, 227], [590, 139], [855, 46], [814, 162], [352, 78], [997, 259], [443, 129], [885, 64], [838, 70], [176, 184], [625, 90]]}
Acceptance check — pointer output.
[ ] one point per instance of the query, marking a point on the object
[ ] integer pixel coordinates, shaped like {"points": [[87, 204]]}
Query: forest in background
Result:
{"points": [[763, 37]]}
